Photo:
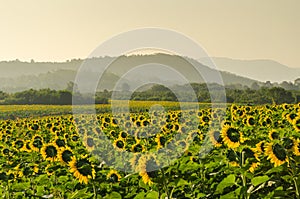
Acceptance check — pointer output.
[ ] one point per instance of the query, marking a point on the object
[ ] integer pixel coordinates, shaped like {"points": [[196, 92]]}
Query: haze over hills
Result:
{"points": [[261, 70], [18, 76]]}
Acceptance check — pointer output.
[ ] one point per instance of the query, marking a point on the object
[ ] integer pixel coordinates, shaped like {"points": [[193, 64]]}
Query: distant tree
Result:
{"points": [[297, 82], [65, 97], [280, 95], [268, 84], [71, 86], [254, 86], [3, 95], [287, 85]]}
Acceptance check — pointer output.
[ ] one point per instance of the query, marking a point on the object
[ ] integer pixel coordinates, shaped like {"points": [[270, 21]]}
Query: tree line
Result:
{"points": [[200, 93]]}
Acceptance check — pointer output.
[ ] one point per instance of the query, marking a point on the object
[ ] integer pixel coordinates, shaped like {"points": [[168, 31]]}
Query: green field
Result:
{"points": [[240, 152]]}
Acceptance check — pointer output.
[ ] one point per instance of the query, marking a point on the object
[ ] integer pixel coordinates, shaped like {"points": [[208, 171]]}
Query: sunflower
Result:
{"points": [[5, 152], [19, 145], [260, 147], [18, 172], [273, 135], [49, 170], [296, 124], [145, 177], [250, 153], [89, 142], [285, 106], [119, 144], [296, 147], [113, 176], [27, 146], [50, 151], [123, 135], [146, 167], [75, 138], [137, 147], [65, 155], [114, 134], [288, 143], [231, 136], [234, 164], [250, 121], [253, 166], [215, 138], [291, 117], [268, 121], [35, 168], [160, 140], [60, 142], [36, 143], [34, 127], [276, 153], [82, 169]]}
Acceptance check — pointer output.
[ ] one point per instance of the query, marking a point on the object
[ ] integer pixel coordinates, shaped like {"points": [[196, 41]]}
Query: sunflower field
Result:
{"points": [[238, 152]]}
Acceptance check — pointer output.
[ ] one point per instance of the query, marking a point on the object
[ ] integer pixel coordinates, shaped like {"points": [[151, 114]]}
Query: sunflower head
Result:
{"points": [[137, 148], [37, 143], [113, 176], [260, 147], [250, 153], [160, 140], [50, 151], [215, 138], [82, 169], [232, 156], [276, 153], [147, 168], [89, 142], [231, 136], [60, 142], [123, 135], [254, 166], [273, 135], [288, 143], [20, 145], [296, 124], [65, 155], [296, 147], [250, 121], [119, 144]]}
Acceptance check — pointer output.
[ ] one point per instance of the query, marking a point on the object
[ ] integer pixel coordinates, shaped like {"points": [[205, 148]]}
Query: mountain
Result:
{"points": [[130, 72], [260, 70]]}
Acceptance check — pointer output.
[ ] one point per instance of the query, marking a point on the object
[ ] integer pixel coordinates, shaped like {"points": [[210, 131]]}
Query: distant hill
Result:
{"points": [[18, 76], [260, 70]]}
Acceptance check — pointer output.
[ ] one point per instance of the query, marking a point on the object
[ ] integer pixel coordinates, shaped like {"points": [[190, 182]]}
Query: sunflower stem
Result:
{"points": [[164, 183], [292, 166], [296, 187], [243, 176], [94, 190]]}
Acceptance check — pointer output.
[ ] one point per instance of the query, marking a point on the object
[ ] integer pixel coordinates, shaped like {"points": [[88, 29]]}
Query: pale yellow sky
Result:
{"points": [[58, 30]]}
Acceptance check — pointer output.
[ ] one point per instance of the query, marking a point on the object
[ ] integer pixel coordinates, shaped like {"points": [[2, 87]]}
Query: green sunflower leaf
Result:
{"points": [[226, 182], [140, 195], [114, 195], [275, 170], [83, 193], [20, 186], [182, 182], [259, 180], [63, 179], [152, 195]]}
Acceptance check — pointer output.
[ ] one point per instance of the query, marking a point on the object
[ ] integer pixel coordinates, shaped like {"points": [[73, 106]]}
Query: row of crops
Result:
{"points": [[240, 152]]}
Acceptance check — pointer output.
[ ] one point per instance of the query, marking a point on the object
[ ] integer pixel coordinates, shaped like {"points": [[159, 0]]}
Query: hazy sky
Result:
{"points": [[58, 30]]}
